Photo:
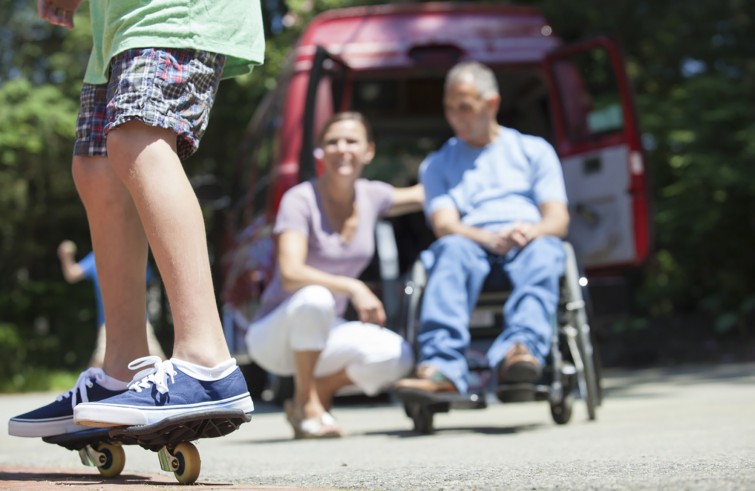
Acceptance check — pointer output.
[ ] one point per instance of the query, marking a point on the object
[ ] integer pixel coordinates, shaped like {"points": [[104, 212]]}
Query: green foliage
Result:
{"points": [[693, 69], [43, 321], [46, 325]]}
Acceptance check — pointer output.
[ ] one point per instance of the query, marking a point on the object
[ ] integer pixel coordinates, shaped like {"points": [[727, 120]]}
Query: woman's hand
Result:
{"points": [[368, 306]]}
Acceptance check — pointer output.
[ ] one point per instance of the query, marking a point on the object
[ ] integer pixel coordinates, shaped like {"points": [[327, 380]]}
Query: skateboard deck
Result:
{"points": [[171, 438]]}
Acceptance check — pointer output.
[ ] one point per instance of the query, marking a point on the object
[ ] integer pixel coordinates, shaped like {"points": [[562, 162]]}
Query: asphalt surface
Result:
{"points": [[669, 429]]}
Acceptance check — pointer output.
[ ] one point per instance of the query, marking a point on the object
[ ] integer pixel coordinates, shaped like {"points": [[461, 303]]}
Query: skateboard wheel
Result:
{"points": [[112, 460], [189, 463]]}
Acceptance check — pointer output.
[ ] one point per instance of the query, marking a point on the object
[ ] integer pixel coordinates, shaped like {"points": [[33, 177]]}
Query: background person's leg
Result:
{"points": [[328, 385], [155, 348], [531, 308], [98, 355], [289, 340], [365, 355], [453, 286]]}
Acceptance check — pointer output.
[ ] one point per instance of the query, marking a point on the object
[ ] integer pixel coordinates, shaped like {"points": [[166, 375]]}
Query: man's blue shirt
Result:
{"points": [[495, 185]]}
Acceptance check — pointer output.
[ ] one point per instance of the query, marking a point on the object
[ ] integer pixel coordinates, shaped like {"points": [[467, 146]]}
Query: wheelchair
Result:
{"points": [[572, 367]]}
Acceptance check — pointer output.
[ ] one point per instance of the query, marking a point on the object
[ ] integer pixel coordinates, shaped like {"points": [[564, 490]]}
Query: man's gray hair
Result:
{"points": [[478, 74]]}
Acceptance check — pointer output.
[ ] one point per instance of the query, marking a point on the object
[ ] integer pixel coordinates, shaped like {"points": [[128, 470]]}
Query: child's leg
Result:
{"points": [[144, 158], [154, 98], [120, 250], [157, 106], [201, 376]]}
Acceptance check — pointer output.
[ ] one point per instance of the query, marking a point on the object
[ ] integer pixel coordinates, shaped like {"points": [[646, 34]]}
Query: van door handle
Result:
{"points": [[592, 165]]}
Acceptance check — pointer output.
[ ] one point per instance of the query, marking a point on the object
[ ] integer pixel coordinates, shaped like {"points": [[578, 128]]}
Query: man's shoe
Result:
{"points": [[166, 389], [56, 418], [428, 379], [519, 366]]}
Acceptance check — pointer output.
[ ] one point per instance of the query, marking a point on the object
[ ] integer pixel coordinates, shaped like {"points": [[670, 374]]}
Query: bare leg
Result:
{"points": [[145, 159], [328, 386], [120, 250], [155, 349], [98, 355], [306, 398]]}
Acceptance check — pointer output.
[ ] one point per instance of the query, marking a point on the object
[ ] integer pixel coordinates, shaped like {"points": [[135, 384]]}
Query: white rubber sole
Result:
{"points": [[103, 415], [43, 428]]}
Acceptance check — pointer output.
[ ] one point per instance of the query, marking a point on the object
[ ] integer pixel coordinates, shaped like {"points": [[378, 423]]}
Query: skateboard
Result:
{"points": [[171, 438]]}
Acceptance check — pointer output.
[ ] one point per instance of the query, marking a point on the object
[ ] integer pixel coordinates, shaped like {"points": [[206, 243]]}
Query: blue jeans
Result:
{"points": [[457, 269]]}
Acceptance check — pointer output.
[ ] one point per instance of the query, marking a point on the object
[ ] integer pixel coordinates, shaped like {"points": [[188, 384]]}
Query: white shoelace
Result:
{"points": [[156, 375], [85, 381]]}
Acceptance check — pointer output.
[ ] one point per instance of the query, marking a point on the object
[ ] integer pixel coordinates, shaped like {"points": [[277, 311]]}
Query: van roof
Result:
{"points": [[402, 35]]}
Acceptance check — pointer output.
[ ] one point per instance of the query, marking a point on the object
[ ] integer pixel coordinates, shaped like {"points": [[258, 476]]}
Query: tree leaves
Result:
{"points": [[692, 65]]}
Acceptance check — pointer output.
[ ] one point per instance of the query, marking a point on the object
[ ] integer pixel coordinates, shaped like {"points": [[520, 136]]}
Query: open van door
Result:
{"points": [[328, 92], [597, 139], [326, 95]]}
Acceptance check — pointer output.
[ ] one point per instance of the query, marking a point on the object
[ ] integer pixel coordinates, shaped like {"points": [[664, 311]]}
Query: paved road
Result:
{"points": [[691, 428]]}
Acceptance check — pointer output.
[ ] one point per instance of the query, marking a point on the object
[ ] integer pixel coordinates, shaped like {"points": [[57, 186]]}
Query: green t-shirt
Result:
{"points": [[229, 27]]}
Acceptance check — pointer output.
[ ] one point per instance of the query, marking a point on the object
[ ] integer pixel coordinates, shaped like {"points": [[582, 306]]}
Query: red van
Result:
{"points": [[389, 63]]}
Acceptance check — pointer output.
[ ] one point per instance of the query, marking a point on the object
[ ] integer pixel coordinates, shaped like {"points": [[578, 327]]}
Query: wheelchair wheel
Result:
{"points": [[594, 339], [588, 374], [598, 364], [579, 328], [561, 410]]}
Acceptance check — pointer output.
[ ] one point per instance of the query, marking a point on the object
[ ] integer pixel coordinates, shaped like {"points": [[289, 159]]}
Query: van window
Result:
{"points": [[589, 95], [408, 121], [415, 97], [406, 113]]}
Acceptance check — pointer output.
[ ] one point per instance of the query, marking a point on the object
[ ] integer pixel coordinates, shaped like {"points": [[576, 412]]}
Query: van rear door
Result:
{"points": [[597, 138], [327, 93]]}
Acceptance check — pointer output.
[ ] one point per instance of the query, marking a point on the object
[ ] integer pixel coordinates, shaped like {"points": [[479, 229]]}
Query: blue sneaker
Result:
{"points": [[56, 418], [166, 389]]}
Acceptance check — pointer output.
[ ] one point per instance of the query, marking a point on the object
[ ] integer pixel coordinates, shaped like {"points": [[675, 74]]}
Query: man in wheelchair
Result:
{"points": [[496, 201]]}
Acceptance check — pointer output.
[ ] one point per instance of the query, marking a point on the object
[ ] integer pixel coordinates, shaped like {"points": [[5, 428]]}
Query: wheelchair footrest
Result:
{"points": [[522, 392], [441, 402]]}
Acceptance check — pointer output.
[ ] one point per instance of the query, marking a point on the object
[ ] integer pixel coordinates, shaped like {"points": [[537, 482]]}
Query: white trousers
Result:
{"points": [[373, 357]]}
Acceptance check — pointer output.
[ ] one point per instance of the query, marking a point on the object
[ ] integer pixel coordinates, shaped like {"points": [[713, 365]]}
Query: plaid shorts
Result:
{"points": [[166, 88]]}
